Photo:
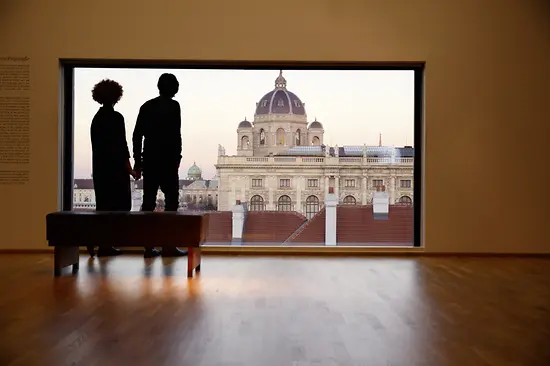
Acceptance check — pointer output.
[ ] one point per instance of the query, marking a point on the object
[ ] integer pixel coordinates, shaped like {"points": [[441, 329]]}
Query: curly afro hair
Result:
{"points": [[107, 92]]}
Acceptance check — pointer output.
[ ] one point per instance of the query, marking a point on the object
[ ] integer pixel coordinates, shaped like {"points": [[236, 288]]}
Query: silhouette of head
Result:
{"points": [[168, 85], [107, 92]]}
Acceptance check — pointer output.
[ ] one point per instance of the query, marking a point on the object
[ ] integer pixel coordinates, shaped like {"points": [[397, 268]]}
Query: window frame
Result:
{"points": [[66, 111]]}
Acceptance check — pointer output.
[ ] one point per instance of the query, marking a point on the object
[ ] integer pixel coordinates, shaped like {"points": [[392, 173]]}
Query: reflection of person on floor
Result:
{"points": [[158, 129], [111, 166]]}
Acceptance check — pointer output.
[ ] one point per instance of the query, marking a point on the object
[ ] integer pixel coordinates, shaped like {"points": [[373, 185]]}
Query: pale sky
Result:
{"points": [[353, 106]]}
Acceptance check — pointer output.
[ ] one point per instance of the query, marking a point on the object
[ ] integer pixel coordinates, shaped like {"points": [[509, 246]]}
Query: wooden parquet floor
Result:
{"points": [[263, 311]]}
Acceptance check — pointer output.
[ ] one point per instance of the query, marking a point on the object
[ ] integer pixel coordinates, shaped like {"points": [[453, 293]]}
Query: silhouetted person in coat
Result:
{"points": [[158, 127], [110, 156]]}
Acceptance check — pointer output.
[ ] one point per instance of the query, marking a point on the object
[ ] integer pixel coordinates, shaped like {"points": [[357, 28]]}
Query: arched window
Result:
{"points": [[298, 137], [315, 141], [262, 137], [349, 200], [312, 206], [284, 203], [405, 200], [280, 103], [280, 136], [244, 142], [256, 203]]}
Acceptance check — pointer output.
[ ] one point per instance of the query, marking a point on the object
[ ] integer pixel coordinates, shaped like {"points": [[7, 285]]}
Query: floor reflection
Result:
{"points": [[277, 311]]}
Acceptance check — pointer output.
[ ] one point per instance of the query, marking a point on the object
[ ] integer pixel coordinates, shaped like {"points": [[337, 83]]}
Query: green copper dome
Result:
{"points": [[194, 172]]}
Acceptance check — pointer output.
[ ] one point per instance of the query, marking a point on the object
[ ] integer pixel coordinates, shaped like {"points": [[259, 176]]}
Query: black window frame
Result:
{"points": [[67, 67]]}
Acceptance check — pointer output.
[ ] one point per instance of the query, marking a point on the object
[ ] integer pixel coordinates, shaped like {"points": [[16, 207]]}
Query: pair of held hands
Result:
{"points": [[136, 171]]}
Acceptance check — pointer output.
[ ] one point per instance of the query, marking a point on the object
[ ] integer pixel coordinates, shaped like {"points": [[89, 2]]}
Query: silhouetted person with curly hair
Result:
{"points": [[110, 156], [158, 130]]}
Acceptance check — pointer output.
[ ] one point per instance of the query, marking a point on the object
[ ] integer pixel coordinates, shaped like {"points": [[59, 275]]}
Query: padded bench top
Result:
{"points": [[135, 228]]}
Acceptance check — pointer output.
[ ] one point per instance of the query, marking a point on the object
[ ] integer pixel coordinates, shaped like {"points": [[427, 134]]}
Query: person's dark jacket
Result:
{"points": [[110, 155], [158, 130]]}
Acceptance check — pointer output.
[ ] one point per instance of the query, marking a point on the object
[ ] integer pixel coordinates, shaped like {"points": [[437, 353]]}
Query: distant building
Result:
{"points": [[195, 192], [283, 164]]}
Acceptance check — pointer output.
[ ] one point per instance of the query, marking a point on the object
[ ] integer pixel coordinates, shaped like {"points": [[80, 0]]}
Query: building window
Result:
{"points": [[245, 142], [257, 183], [264, 103], [349, 200], [256, 203], [297, 104], [405, 200], [377, 183], [313, 183], [284, 183], [262, 137], [315, 141], [298, 138], [280, 103], [349, 183], [280, 136], [284, 203], [312, 206], [406, 183]]}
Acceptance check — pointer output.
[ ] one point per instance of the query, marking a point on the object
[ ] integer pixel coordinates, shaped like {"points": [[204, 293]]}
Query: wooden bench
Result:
{"points": [[66, 231]]}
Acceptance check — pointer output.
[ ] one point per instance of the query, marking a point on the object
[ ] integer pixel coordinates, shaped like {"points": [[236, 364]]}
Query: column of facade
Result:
{"points": [[327, 180], [271, 195], [392, 190], [232, 199], [299, 185], [337, 187], [364, 191], [288, 140]]}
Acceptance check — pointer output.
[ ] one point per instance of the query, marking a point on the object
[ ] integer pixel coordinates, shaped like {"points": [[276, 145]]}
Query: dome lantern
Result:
{"points": [[280, 82], [194, 173]]}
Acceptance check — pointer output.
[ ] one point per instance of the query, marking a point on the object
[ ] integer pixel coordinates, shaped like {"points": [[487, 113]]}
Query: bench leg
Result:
{"points": [[64, 257], [193, 261]]}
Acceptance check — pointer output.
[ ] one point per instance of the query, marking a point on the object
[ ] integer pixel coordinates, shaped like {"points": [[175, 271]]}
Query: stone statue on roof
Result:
{"points": [[221, 150], [364, 150], [336, 151]]}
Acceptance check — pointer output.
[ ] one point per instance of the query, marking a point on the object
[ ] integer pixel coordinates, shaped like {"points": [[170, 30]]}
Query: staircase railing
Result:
{"points": [[303, 226]]}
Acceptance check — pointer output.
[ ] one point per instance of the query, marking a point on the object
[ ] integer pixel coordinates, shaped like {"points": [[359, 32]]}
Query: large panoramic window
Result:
{"points": [[282, 142]]}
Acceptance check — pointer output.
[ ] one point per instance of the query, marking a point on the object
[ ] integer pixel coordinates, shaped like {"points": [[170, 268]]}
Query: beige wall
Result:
{"points": [[487, 85]]}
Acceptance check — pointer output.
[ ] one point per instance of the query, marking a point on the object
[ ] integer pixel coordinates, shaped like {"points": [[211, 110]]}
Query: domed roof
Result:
{"points": [[194, 171], [280, 100], [245, 124], [315, 124]]}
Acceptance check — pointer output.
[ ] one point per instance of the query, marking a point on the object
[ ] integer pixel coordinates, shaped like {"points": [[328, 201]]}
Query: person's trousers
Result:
{"points": [[166, 178]]}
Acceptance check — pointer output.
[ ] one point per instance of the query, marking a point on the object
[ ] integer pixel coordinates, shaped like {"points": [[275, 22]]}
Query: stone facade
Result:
{"points": [[305, 180], [283, 164]]}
